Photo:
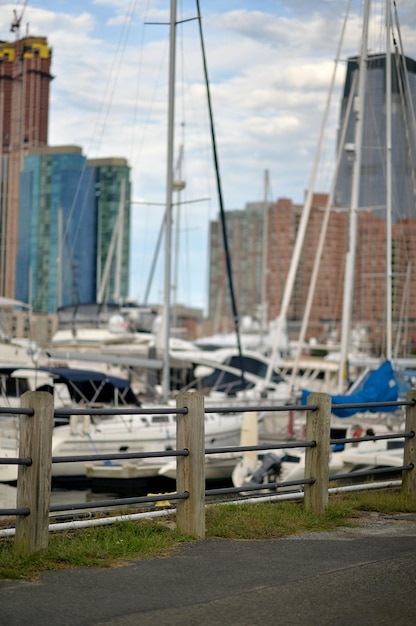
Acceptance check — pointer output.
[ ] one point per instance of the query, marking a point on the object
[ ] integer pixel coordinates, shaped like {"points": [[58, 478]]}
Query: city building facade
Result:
{"points": [[57, 225], [245, 240], [373, 150], [111, 180], [369, 285], [68, 227], [24, 113]]}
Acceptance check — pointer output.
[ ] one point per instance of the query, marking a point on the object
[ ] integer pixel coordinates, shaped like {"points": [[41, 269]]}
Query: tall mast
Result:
{"points": [[300, 237], [355, 198], [389, 277], [59, 261], [169, 191], [220, 197], [115, 238], [120, 237], [264, 272], [321, 242], [178, 187]]}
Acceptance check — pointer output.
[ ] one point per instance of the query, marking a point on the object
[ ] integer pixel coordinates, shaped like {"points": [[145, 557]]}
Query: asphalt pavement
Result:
{"points": [[361, 576]]}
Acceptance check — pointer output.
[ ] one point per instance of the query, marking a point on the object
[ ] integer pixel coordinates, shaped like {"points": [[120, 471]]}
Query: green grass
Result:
{"points": [[280, 519], [109, 546], [100, 546]]}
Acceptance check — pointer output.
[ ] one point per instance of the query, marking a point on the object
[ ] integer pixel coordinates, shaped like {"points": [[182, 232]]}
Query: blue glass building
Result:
{"points": [[68, 211]]}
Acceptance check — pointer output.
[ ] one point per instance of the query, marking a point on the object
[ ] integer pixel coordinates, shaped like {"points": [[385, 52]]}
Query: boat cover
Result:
{"points": [[87, 382], [380, 386]]}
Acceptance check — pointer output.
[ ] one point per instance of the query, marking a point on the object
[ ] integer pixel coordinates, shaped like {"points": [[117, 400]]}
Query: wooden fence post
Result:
{"points": [[409, 453], [34, 481], [318, 428], [190, 472]]}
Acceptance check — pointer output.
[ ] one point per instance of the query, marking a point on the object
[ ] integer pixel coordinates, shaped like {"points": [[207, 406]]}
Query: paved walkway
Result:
{"points": [[363, 576]]}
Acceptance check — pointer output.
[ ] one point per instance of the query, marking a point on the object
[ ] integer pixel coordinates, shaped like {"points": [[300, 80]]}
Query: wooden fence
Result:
{"points": [[35, 463]]}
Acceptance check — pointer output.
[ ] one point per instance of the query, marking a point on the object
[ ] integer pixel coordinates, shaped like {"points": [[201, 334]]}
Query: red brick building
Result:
{"points": [[369, 291], [24, 112]]}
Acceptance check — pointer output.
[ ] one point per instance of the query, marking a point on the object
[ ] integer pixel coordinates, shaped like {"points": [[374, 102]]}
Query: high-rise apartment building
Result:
{"points": [[369, 301], [24, 87], [73, 244], [57, 225], [373, 150], [284, 219], [24, 109], [245, 239], [111, 179]]}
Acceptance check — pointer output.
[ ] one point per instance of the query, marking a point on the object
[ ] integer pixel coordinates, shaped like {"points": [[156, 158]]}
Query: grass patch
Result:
{"points": [[99, 546], [270, 520], [108, 546], [384, 501]]}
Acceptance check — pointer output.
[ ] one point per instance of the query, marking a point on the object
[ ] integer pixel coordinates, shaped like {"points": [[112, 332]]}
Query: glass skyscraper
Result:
{"points": [[112, 245], [403, 147], [68, 213]]}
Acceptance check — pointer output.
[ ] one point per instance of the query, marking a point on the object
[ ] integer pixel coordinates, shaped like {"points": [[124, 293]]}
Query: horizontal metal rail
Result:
{"points": [[409, 435], [176, 453], [370, 472], [119, 455], [118, 411], [16, 411], [64, 411], [373, 405], [16, 461], [263, 446], [258, 408], [257, 487], [24, 511], [120, 502]]}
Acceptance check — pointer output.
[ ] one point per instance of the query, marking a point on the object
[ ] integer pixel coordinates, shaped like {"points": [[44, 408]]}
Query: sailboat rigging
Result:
{"points": [[360, 211], [401, 79], [290, 280], [169, 195], [263, 303], [355, 196], [220, 198]]}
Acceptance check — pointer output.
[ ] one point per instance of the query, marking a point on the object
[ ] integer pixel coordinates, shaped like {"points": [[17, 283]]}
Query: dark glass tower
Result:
{"points": [[373, 168]]}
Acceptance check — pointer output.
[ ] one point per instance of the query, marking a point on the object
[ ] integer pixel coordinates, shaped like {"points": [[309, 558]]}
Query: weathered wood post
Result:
{"points": [[409, 453], [34, 481], [317, 458], [190, 472]]}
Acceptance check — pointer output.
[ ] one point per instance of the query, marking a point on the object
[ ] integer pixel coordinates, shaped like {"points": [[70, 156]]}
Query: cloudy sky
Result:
{"points": [[270, 64]]}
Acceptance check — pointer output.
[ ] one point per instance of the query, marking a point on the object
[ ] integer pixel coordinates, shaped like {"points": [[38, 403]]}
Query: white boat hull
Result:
{"points": [[217, 466], [123, 434]]}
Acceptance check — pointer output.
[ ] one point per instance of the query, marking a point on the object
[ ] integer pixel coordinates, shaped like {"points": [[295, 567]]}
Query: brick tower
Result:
{"points": [[24, 110]]}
